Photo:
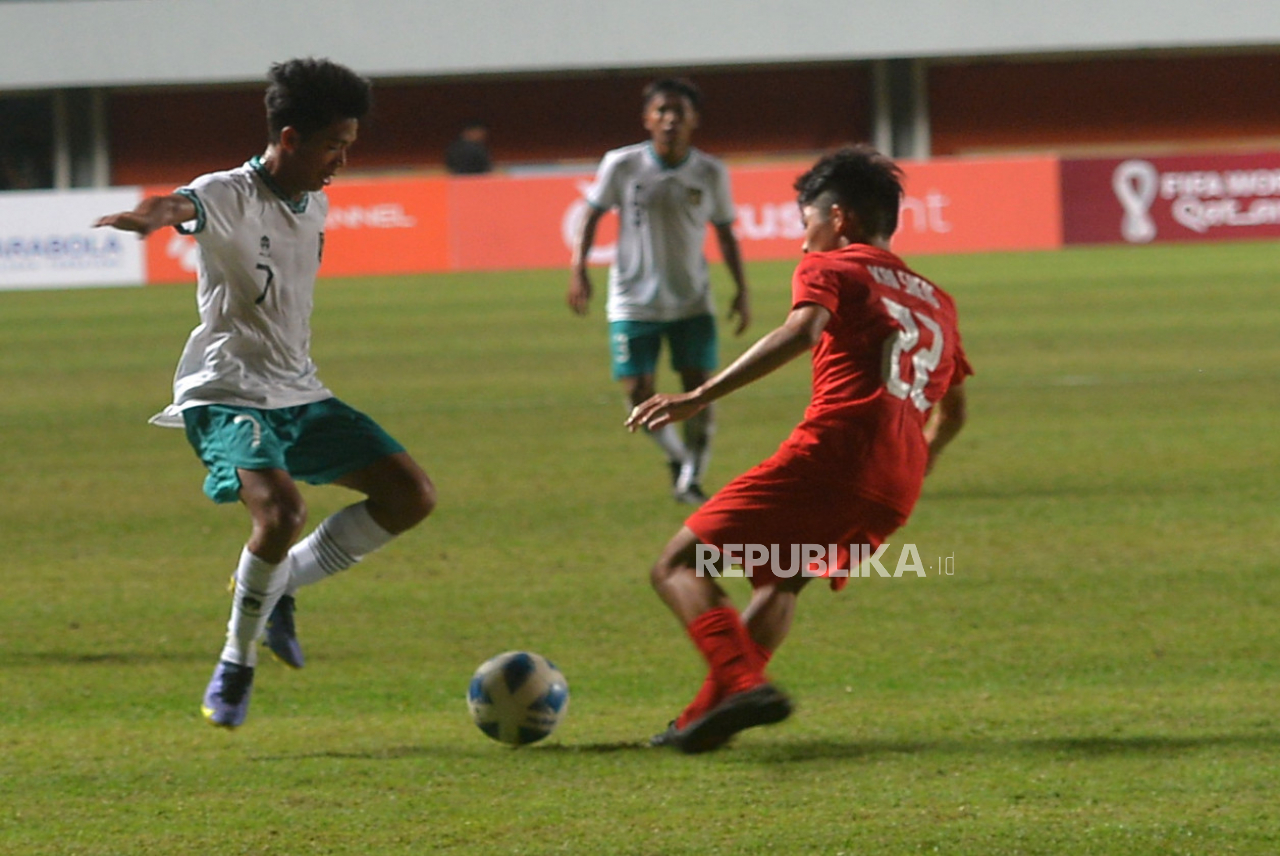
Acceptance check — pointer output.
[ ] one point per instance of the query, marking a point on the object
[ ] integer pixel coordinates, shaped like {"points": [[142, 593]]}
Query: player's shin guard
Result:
{"points": [[258, 585], [342, 539]]}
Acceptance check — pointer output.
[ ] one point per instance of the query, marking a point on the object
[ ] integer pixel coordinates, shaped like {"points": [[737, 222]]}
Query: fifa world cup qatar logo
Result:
{"points": [[1135, 183]]}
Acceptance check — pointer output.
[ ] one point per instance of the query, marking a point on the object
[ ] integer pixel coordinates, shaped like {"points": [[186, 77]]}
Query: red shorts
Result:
{"points": [[791, 499]]}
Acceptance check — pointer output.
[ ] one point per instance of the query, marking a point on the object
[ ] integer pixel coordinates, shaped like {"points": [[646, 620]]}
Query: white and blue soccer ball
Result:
{"points": [[518, 697]]}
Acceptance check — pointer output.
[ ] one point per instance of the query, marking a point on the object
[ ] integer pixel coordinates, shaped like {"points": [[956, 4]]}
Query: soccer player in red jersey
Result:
{"points": [[888, 395]]}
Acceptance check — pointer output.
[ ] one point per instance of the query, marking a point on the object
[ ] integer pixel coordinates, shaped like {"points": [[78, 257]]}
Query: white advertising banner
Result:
{"points": [[47, 239]]}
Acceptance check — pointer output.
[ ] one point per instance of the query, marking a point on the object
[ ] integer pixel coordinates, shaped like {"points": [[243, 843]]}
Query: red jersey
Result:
{"points": [[890, 351]]}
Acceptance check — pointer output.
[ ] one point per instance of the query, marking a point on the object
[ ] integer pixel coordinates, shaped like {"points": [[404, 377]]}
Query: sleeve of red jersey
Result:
{"points": [[814, 282]]}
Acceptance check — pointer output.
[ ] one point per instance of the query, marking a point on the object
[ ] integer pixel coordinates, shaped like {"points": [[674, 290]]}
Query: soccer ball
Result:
{"points": [[517, 697]]}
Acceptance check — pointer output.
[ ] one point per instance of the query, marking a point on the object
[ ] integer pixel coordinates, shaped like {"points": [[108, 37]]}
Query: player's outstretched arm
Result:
{"points": [[945, 422], [579, 296], [152, 213], [798, 333], [740, 308]]}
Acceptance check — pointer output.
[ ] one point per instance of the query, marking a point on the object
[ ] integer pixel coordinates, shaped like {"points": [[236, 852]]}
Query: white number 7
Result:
{"points": [[923, 360]]}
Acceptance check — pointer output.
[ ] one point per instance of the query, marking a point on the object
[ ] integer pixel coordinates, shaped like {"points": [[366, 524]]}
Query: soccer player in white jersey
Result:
{"points": [[666, 191], [246, 389]]}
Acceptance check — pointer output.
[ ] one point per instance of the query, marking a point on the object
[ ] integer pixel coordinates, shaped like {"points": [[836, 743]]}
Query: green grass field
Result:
{"points": [[1098, 676]]}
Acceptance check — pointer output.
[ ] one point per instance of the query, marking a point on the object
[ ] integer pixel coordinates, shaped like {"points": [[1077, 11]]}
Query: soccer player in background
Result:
{"points": [[666, 191], [246, 390], [888, 395]]}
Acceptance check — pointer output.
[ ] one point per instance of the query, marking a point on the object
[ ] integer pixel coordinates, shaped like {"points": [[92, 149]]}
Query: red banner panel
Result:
{"points": [[1187, 198]]}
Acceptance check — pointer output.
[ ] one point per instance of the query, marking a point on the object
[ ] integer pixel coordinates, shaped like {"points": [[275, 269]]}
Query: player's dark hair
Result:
{"points": [[860, 179], [679, 86], [311, 94]]}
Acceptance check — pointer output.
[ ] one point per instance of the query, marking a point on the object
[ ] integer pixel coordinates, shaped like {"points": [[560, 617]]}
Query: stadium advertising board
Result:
{"points": [[374, 227], [1186, 198], [47, 240], [951, 206], [506, 222]]}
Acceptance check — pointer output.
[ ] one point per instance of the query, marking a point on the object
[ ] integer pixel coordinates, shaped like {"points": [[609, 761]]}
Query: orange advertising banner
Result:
{"points": [[949, 206], [506, 222], [386, 227], [374, 227], [960, 206]]}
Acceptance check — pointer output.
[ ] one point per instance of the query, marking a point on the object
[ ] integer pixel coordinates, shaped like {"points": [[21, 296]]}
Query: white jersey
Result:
{"points": [[660, 271], [259, 255]]}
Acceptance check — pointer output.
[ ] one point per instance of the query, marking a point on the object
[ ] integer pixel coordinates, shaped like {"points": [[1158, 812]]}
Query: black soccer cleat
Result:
{"points": [[670, 737], [761, 705]]}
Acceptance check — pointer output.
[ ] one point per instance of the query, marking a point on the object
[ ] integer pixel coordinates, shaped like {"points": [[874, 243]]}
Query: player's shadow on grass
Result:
{"points": [[42, 659], [1145, 744], [391, 753], [804, 751]]}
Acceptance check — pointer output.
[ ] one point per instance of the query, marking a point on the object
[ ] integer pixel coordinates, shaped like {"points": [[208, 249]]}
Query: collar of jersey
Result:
{"points": [[653, 153], [296, 206]]}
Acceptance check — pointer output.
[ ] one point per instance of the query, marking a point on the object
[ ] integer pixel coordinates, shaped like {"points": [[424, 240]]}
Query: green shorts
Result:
{"points": [[634, 345], [317, 443]]}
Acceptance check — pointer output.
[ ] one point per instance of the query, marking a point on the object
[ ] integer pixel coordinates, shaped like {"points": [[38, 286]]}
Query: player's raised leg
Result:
{"points": [[399, 495]]}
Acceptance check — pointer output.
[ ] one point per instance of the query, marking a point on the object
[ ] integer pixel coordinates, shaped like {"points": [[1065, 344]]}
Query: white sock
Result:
{"points": [[698, 431], [342, 539], [670, 442], [258, 587]]}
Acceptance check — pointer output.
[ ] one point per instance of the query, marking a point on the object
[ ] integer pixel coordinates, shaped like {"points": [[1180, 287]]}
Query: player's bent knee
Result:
{"points": [[413, 500], [665, 572], [287, 517], [659, 574], [422, 500], [279, 522]]}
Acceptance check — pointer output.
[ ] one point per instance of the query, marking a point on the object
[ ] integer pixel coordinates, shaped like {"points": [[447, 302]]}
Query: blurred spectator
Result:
{"points": [[468, 154]]}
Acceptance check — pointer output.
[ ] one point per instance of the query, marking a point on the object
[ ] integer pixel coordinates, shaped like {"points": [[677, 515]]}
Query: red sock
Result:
{"points": [[762, 655], [708, 697], [713, 690]]}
